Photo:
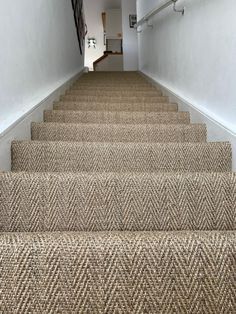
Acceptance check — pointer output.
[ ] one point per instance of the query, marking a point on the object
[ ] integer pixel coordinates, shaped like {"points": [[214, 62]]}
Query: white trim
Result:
{"points": [[59, 89], [20, 129], [180, 98], [216, 130]]}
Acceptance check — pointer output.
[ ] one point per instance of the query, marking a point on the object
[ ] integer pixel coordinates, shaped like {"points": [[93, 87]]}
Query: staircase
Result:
{"points": [[118, 204]]}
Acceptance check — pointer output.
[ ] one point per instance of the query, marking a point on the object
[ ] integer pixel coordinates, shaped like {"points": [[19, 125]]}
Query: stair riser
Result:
{"points": [[102, 202], [113, 94], [131, 99], [110, 83], [111, 78], [118, 133], [116, 106], [118, 157], [116, 86], [119, 88], [116, 117], [133, 272]]}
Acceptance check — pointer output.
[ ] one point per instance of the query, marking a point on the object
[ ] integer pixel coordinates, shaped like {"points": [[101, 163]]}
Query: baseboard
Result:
{"points": [[21, 129], [216, 131]]}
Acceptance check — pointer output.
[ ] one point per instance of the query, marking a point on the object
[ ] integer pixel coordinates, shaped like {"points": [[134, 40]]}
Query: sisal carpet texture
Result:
{"points": [[118, 205]]}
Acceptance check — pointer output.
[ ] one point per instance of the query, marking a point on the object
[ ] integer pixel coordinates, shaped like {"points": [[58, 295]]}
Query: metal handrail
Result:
{"points": [[155, 11]]}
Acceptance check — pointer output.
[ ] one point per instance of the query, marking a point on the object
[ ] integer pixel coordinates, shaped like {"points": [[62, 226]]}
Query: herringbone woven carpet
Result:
{"points": [[112, 201], [118, 133], [61, 156], [116, 117], [120, 272], [118, 204], [126, 105]]}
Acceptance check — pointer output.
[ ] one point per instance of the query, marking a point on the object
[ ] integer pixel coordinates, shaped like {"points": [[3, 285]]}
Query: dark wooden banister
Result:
{"points": [[81, 27]]}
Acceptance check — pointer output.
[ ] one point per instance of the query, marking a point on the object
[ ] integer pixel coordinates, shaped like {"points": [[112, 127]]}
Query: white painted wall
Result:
{"points": [[114, 45], [93, 13], [39, 60], [21, 130], [113, 24], [39, 52], [130, 39], [111, 63], [194, 56], [145, 6]]}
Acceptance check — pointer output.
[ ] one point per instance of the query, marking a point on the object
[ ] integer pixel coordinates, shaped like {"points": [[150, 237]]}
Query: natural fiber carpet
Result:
{"points": [[115, 105], [116, 99], [116, 117], [111, 201], [118, 133], [56, 156], [118, 272], [115, 93], [118, 205]]}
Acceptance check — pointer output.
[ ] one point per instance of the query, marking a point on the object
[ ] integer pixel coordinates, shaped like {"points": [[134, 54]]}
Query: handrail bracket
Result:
{"points": [[149, 25], [182, 11]]}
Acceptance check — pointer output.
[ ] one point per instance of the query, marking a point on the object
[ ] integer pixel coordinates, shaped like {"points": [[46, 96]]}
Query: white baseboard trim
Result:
{"points": [[216, 132], [21, 128]]}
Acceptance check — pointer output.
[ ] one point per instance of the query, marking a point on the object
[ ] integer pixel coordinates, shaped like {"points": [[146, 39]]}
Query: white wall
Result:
{"points": [[21, 130], [194, 56], [113, 23], [145, 6], [39, 52], [93, 13], [130, 39], [111, 63], [39, 59]]}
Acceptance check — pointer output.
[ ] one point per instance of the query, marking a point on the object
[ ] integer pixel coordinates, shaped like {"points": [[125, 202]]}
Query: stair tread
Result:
{"points": [[116, 117], [140, 157], [118, 132], [131, 88], [113, 93], [57, 271], [116, 106], [111, 98], [111, 201]]}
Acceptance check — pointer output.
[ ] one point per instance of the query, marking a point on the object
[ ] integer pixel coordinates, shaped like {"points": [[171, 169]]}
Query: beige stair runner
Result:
{"points": [[116, 117], [118, 204]]}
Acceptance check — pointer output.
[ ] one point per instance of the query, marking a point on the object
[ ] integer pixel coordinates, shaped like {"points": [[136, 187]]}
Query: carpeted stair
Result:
{"points": [[116, 99], [118, 132], [116, 117], [125, 104], [118, 205], [61, 156], [113, 201]]}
